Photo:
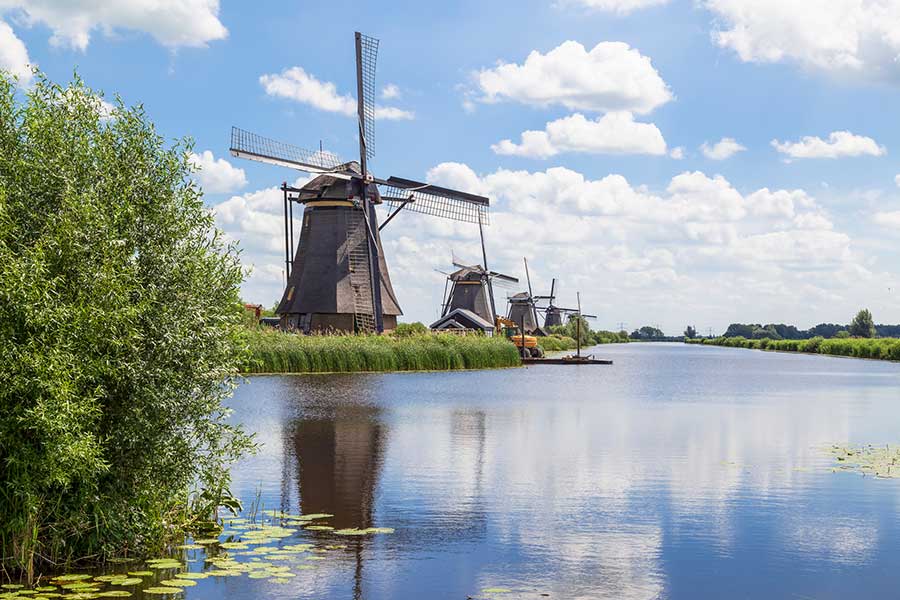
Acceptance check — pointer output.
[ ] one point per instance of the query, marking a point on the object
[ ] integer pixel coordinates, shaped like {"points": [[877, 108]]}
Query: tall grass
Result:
{"points": [[276, 352], [876, 348]]}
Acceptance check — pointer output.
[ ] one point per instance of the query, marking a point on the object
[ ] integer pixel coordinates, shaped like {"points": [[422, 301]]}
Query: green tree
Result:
{"points": [[690, 333], [863, 325], [119, 330]]}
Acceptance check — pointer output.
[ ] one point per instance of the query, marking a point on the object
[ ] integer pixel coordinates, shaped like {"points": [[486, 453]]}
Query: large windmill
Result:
{"points": [[337, 279]]}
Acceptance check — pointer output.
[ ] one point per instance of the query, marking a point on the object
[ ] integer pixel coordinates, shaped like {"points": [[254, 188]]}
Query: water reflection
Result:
{"points": [[679, 473]]}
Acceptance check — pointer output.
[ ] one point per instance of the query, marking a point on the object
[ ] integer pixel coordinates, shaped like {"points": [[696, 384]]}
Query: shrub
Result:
{"points": [[119, 330]]}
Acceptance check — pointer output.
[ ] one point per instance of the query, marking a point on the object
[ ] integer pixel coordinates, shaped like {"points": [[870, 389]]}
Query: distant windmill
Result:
{"points": [[470, 300], [338, 277], [523, 309], [553, 315]]}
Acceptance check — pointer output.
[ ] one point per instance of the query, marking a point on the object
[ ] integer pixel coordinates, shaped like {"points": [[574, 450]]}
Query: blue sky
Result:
{"points": [[604, 201]]}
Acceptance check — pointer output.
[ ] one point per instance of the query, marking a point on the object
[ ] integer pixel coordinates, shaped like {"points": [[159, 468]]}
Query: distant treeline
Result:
{"points": [[780, 331], [880, 348]]}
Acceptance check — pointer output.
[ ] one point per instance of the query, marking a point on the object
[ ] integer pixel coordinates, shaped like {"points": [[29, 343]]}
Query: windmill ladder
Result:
{"points": [[360, 278]]}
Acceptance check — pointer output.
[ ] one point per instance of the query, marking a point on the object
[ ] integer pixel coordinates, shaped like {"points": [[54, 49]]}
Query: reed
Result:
{"points": [[272, 351], [874, 348], [557, 343]]}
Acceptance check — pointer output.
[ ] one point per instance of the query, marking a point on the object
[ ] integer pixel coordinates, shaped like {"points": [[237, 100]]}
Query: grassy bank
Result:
{"points": [[877, 348], [275, 352]]}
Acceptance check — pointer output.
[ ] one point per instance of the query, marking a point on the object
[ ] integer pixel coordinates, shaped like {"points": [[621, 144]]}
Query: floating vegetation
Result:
{"points": [[265, 548], [495, 590], [881, 462]]}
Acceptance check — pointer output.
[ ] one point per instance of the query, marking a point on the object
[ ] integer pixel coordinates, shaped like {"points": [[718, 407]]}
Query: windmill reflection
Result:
{"points": [[337, 447]]}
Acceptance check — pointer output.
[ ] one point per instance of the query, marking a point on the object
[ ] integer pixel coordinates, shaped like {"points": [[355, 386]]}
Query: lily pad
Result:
{"points": [[177, 583], [496, 590], [114, 594], [192, 575], [72, 577], [127, 581], [319, 528], [160, 591], [140, 573]]}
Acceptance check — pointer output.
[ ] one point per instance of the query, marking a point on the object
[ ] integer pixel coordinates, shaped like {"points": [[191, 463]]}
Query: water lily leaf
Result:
{"points": [[206, 541], [158, 590], [350, 531], [72, 577], [114, 594], [319, 528], [189, 547], [495, 590], [314, 516], [128, 581], [192, 575], [12, 586], [379, 530], [46, 588], [178, 583], [140, 573], [260, 575]]}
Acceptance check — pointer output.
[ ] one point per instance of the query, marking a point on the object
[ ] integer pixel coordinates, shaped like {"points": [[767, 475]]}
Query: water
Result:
{"points": [[681, 472]]}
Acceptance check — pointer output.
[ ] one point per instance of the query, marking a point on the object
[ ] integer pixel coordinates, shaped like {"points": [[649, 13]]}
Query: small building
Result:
{"points": [[463, 319]]}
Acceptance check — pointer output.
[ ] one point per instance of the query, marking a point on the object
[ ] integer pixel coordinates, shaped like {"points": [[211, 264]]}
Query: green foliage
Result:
{"points": [[863, 325], [690, 332], [647, 333], [408, 329], [842, 334], [275, 352], [119, 331], [881, 348], [556, 342], [588, 336]]}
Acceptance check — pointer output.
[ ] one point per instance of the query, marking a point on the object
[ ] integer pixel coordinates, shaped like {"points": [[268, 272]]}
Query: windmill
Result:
{"points": [[337, 278], [469, 303], [553, 315], [523, 309]]}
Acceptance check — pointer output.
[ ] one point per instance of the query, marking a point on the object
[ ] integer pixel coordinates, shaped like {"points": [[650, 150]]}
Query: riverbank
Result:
{"points": [[274, 352], [875, 348]]}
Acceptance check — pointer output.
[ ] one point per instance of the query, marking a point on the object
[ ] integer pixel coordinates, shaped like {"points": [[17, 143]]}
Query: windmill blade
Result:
{"points": [[460, 265], [245, 144], [502, 277], [435, 200], [366, 58]]}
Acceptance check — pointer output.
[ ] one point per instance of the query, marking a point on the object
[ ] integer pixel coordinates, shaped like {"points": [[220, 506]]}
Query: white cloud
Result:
{"points": [[217, 175], [172, 23], [721, 150], [897, 180], [887, 219], [838, 144], [390, 92], [610, 77], [296, 84], [622, 7], [677, 153], [14, 55], [859, 36], [614, 133]]}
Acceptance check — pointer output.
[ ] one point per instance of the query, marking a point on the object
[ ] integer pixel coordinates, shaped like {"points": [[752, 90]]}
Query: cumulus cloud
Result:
{"points": [[677, 153], [859, 36], [173, 23], [721, 150], [622, 7], [390, 92], [217, 175], [296, 84], [889, 219], [614, 133], [14, 54], [612, 76], [838, 144]]}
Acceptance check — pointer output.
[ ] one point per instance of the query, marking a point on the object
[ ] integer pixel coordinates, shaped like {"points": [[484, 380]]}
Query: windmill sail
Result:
{"points": [[434, 200], [249, 145], [366, 58]]}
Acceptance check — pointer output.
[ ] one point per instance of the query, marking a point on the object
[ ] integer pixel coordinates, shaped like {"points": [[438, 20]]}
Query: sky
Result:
{"points": [[678, 162]]}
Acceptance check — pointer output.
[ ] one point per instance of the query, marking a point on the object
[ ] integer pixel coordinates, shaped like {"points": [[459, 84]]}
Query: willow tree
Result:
{"points": [[119, 330]]}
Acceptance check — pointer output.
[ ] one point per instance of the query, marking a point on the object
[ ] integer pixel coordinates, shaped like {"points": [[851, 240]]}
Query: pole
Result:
{"points": [[490, 285], [291, 221], [578, 327], [287, 259]]}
